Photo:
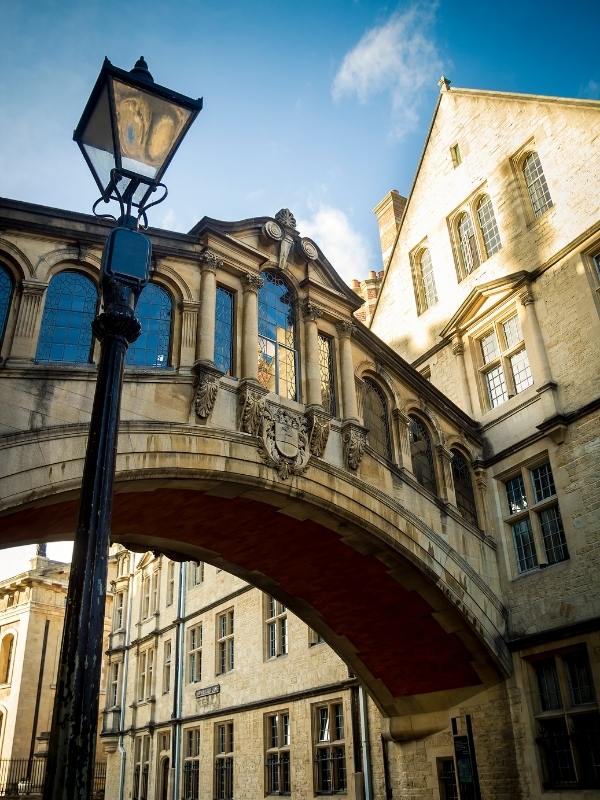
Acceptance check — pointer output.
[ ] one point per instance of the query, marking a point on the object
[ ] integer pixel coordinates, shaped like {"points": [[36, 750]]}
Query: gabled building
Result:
{"points": [[492, 291]]}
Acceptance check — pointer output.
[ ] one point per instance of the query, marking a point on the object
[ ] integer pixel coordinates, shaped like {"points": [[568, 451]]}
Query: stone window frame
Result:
{"points": [[277, 751], [196, 574], [190, 767], [10, 297], [119, 605], [225, 641], [470, 207], [374, 383], [447, 778], [276, 628], [331, 745], [142, 756], [223, 760], [502, 359], [145, 674], [113, 684], [564, 709], [423, 302], [145, 593], [591, 259], [274, 276], [327, 370], [167, 290], [531, 511], [194, 653], [233, 293], [434, 440], [456, 155], [169, 599], [517, 161], [314, 637], [167, 665]]}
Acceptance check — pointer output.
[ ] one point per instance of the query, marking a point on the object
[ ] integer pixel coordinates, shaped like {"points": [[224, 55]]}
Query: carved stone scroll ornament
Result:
{"points": [[283, 441], [251, 404], [285, 217], [354, 437], [319, 425], [210, 261], [308, 248], [206, 387]]}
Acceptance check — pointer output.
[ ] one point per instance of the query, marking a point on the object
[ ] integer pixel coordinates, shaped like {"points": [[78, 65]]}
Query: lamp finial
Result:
{"points": [[141, 71]]}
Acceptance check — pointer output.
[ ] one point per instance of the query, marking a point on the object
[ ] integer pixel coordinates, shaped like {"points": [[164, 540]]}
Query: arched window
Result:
{"points": [[487, 224], [277, 354], [468, 243], [6, 652], [154, 311], [375, 417], [421, 453], [535, 180], [6, 291], [424, 279], [66, 331], [463, 487]]}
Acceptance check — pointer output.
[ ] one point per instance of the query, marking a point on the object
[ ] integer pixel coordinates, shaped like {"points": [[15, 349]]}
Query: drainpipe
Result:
{"points": [[122, 751], [178, 683], [365, 745]]}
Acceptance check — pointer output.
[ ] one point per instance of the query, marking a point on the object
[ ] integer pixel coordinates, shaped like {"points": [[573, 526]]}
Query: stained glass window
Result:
{"points": [[535, 180], [66, 330], [277, 355], [463, 487], [376, 419], [224, 330], [327, 371], [421, 453], [154, 311], [6, 290]]}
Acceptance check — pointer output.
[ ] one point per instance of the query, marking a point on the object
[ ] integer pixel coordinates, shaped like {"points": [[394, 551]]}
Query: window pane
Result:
{"points": [[468, 244], [521, 371], [66, 331], [324, 724], [487, 223], [496, 386], [512, 332], [525, 546], [543, 482], [421, 453], [327, 371], [548, 686], [6, 290], [554, 535], [463, 487], [154, 311], [515, 492], [586, 738], [581, 686], [489, 347], [277, 340], [339, 721], [224, 330], [558, 757], [427, 280], [535, 180], [376, 419]]}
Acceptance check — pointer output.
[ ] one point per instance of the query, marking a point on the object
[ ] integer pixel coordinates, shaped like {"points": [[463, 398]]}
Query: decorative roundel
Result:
{"points": [[273, 230], [309, 248]]}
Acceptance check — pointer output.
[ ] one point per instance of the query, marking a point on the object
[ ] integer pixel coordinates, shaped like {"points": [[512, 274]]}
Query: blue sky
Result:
{"points": [[318, 106]]}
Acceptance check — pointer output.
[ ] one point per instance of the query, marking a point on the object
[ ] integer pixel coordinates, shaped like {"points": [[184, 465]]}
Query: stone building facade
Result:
{"points": [[492, 291]]}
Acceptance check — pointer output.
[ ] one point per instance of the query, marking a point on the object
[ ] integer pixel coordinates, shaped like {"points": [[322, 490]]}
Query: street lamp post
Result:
{"points": [[128, 133]]}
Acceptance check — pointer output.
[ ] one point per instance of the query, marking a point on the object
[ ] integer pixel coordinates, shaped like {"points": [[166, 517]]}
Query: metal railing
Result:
{"points": [[24, 777]]}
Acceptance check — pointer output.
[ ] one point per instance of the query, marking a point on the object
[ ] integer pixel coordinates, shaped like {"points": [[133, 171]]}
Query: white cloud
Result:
{"points": [[399, 57], [346, 249]]}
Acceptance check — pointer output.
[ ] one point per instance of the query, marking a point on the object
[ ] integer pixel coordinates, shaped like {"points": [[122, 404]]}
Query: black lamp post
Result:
{"points": [[128, 133]]}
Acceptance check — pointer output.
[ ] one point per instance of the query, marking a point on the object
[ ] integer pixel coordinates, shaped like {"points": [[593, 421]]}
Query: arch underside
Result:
{"points": [[383, 614]]}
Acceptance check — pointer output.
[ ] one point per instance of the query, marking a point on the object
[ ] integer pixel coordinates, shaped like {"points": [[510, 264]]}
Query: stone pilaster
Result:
{"points": [[536, 352], [189, 327], [447, 492], [402, 422], [458, 350], [28, 320], [480, 495]]}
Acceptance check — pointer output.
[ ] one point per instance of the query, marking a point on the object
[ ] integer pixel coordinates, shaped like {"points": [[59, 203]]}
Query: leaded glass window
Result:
{"points": [[488, 226], [277, 354], [468, 243], [6, 291], [327, 372], [424, 279], [525, 545], [375, 415], [224, 330], [66, 330], [505, 368], [463, 487], [421, 452], [535, 180], [154, 311]]}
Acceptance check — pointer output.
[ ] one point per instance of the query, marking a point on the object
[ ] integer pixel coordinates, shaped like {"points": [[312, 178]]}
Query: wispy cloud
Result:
{"points": [[346, 249], [399, 57]]}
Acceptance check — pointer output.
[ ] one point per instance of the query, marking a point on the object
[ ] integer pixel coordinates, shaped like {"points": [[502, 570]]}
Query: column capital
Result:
{"points": [[33, 287], [191, 306], [252, 282], [210, 261], [458, 347], [400, 416], [444, 452], [345, 328], [526, 296], [310, 311]]}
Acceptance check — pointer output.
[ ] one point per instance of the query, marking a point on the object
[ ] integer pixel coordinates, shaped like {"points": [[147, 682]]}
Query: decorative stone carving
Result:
{"points": [[251, 404], [345, 328], [273, 231], [458, 347], [285, 217], [526, 296], [319, 425], [206, 387], [283, 441], [354, 437], [310, 310], [309, 249], [210, 260], [252, 282]]}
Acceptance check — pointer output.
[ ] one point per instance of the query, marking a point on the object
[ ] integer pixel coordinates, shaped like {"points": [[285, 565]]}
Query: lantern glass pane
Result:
{"points": [[148, 128], [97, 139]]}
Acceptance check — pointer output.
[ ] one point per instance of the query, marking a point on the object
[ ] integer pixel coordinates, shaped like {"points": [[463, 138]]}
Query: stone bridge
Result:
{"points": [[267, 432]]}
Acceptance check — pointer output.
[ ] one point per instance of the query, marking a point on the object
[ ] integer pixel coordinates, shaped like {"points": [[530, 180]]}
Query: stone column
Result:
{"points": [[24, 343], [312, 370], [402, 421], [347, 368], [189, 328], [458, 350], [536, 352], [205, 347], [447, 488], [252, 284], [480, 496]]}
